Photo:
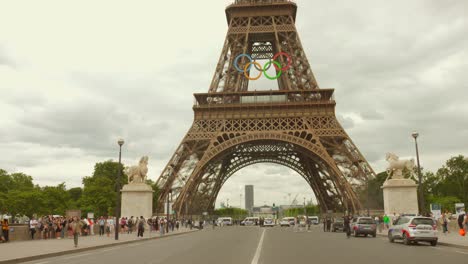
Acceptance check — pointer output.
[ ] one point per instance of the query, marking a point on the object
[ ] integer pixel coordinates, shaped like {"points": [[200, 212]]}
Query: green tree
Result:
{"points": [[56, 199], [99, 191], [453, 177], [235, 213], [156, 192]]}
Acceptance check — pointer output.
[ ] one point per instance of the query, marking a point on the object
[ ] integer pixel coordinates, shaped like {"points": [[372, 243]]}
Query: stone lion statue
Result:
{"points": [[137, 174], [396, 166]]}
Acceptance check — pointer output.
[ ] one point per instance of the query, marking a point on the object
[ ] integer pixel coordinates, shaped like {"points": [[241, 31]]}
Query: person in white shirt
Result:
{"points": [[32, 227]]}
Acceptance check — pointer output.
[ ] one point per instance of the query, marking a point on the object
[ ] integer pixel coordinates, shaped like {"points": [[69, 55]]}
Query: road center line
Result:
{"points": [[259, 249]]}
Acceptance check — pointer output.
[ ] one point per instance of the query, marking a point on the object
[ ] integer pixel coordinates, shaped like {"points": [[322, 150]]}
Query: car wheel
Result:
{"points": [[390, 238], [434, 243], [374, 234], [406, 241], [355, 233]]}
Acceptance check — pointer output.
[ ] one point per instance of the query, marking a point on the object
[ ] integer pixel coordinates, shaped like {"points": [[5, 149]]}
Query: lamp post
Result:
{"points": [[117, 202], [367, 199], [167, 207], [422, 205]]}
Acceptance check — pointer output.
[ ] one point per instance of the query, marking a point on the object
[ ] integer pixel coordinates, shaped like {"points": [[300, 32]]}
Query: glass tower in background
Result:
{"points": [[249, 197]]}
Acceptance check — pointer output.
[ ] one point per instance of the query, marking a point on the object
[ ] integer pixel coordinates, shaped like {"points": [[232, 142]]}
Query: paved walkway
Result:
{"points": [[25, 249], [450, 239]]}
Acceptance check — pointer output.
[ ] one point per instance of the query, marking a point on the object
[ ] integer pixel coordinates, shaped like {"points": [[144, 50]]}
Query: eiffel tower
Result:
{"points": [[294, 125]]}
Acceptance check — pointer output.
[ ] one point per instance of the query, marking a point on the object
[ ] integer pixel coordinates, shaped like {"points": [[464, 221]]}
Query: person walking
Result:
{"points": [[101, 223], [386, 221], [5, 230], [347, 225], [141, 227], [130, 223], [377, 223], [443, 221], [76, 226], [32, 227]]}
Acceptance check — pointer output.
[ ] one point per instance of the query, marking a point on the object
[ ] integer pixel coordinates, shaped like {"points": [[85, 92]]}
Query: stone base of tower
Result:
{"points": [[400, 196], [137, 200]]}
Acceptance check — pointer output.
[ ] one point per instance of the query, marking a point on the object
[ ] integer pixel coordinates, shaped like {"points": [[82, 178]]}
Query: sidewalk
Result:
{"points": [[21, 251], [453, 239]]}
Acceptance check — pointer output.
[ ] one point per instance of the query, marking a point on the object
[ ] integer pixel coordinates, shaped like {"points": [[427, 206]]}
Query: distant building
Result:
{"points": [[249, 198]]}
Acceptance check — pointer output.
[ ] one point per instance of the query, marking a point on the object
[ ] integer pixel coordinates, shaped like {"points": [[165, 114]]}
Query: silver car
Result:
{"points": [[414, 229]]}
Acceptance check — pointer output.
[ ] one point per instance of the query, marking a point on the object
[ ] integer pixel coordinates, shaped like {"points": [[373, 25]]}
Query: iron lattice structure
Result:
{"points": [[294, 126]]}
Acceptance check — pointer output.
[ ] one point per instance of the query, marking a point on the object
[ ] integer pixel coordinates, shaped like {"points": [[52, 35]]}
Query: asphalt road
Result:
{"points": [[253, 245]]}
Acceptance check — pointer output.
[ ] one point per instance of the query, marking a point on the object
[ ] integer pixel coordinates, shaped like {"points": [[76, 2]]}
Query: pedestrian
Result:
{"points": [[328, 224], [466, 223], [5, 230], [109, 225], [161, 226], [141, 227], [130, 225], [346, 225], [76, 226], [386, 221], [32, 227], [123, 224], [377, 223], [91, 226], [443, 220], [461, 218]]}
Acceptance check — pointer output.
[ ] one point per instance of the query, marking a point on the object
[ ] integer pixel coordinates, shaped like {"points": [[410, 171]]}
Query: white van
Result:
{"points": [[314, 220], [224, 221], [249, 221]]}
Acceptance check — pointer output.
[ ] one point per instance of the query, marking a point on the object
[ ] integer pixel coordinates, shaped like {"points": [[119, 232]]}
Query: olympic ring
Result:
{"points": [[265, 68], [289, 61], [277, 64], [236, 61], [246, 70]]}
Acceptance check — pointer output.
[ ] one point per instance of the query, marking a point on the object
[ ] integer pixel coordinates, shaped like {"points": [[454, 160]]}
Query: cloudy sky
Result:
{"points": [[77, 75]]}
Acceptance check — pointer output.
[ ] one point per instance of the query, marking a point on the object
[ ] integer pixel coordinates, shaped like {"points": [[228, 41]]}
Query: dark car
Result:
{"points": [[337, 225], [364, 226]]}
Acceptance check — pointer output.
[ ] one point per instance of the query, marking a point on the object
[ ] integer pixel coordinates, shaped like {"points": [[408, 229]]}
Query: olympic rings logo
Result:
{"points": [[265, 67]]}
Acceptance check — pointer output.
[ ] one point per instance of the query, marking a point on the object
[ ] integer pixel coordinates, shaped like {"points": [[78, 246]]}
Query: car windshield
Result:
{"points": [[339, 220], [422, 221], [367, 221]]}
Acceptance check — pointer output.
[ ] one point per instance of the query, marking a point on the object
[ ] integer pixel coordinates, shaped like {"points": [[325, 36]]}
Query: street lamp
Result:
{"points": [[117, 202], [422, 205], [167, 207]]}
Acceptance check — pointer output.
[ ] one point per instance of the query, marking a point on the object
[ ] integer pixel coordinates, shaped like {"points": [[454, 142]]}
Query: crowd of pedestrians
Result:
{"points": [[59, 227]]}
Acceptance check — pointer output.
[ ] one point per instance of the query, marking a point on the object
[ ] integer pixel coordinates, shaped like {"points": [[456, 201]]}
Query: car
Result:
{"points": [[414, 229], [287, 221], [224, 221], [338, 224], [250, 221], [314, 220], [268, 222], [364, 226]]}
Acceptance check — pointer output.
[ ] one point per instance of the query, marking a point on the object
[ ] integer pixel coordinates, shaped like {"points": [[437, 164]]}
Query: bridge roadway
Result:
{"points": [[253, 245]]}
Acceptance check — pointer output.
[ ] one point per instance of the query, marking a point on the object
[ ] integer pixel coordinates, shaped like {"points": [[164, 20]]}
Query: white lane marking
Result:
{"points": [[461, 252], [259, 249], [43, 262], [76, 256]]}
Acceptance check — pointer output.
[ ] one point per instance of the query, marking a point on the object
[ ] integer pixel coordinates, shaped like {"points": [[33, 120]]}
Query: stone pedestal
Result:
{"points": [[137, 200], [400, 196]]}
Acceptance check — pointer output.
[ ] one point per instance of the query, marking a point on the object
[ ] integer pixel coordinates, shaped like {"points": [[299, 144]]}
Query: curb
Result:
{"points": [[445, 244], [79, 250]]}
